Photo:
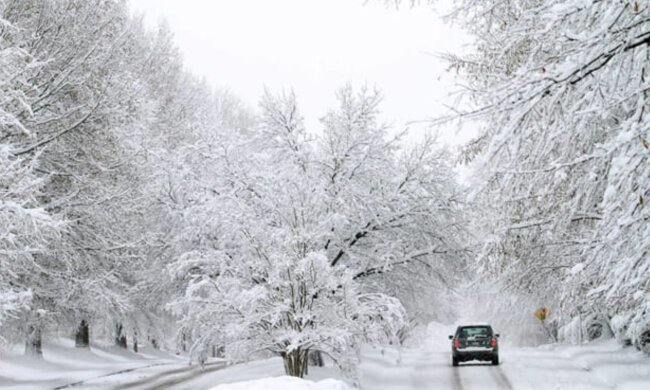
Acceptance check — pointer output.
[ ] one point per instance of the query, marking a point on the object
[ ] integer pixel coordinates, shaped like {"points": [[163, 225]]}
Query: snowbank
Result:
{"points": [[285, 383]]}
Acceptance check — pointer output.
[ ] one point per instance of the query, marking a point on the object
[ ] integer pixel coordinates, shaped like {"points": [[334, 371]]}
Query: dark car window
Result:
{"points": [[474, 331]]}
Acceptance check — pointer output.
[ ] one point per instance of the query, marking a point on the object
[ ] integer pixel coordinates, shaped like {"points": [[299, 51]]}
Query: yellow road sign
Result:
{"points": [[542, 313]]}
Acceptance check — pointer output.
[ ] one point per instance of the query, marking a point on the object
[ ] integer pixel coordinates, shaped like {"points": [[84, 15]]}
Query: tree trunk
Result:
{"points": [[34, 342], [82, 337], [295, 362], [305, 365], [120, 337], [184, 343], [135, 342], [316, 359]]}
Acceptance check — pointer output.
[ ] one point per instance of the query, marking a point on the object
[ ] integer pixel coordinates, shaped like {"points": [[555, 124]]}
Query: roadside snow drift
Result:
{"points": [[285, 383]]}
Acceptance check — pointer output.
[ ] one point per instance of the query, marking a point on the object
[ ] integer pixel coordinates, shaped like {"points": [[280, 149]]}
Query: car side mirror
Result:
{"points": [[451, 337], [497, 335]]}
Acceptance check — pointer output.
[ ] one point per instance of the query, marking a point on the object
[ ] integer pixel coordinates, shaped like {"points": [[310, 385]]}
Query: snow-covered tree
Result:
{"points": [[26, 228], [72, 116], [26, 231], [561, 88], [183, 172], [297, 223]]}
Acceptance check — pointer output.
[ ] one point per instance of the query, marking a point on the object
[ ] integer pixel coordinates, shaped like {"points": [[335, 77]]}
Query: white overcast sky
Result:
{"points": [[314, 47]]}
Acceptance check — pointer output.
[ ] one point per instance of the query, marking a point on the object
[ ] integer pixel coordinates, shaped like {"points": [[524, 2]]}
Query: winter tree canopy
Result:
{"points": [[140, 205], [299, 221], [562, 157]]}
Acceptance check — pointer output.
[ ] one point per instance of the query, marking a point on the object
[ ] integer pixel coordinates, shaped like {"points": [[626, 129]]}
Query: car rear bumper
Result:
{"points": [[475, 354]]}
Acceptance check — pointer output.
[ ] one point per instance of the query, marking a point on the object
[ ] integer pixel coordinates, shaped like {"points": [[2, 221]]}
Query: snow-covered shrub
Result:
{"points": [[571, 332], [584, 328], [643, 341], [596, 327], [639, 328], [633, 328], [620, 324]]}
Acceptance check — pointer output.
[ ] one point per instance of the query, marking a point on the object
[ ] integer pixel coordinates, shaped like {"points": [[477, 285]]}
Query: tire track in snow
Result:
{"points": [[501, 378], [479, 376], [184, 378], [458, 385], [82, 382], [426, 370], [154, 382]]}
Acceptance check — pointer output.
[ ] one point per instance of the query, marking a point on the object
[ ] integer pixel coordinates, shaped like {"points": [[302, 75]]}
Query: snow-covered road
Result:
{"points": [[423, 365], [425, 369], [591, 367], [596, 366], [152, 378]]}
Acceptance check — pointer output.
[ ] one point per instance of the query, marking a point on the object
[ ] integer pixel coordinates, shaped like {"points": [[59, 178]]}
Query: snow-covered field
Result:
{"points": [[424, 364]]}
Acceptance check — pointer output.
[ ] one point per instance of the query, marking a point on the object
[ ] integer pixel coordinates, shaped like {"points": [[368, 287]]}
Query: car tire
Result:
{"points": [[454, 362], [495, 360]]}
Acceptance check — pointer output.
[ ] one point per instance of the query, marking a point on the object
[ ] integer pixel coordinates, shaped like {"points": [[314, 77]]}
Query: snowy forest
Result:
{"points": [[140, 205]]}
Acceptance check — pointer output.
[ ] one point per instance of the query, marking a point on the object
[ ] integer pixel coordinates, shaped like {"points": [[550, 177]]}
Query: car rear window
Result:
{"points": [[474, 331]]}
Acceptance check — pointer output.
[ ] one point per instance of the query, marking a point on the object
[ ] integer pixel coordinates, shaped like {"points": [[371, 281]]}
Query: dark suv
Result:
{"points": [[474, 342]]}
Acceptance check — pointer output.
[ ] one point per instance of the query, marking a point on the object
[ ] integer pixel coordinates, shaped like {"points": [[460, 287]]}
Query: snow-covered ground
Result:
{"points": [[423, 364], [62, 364], [285, 383]]}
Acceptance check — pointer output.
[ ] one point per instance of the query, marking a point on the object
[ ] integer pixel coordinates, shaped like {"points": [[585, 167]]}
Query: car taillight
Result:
{"points": [[494, 342], [456, 343]]}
